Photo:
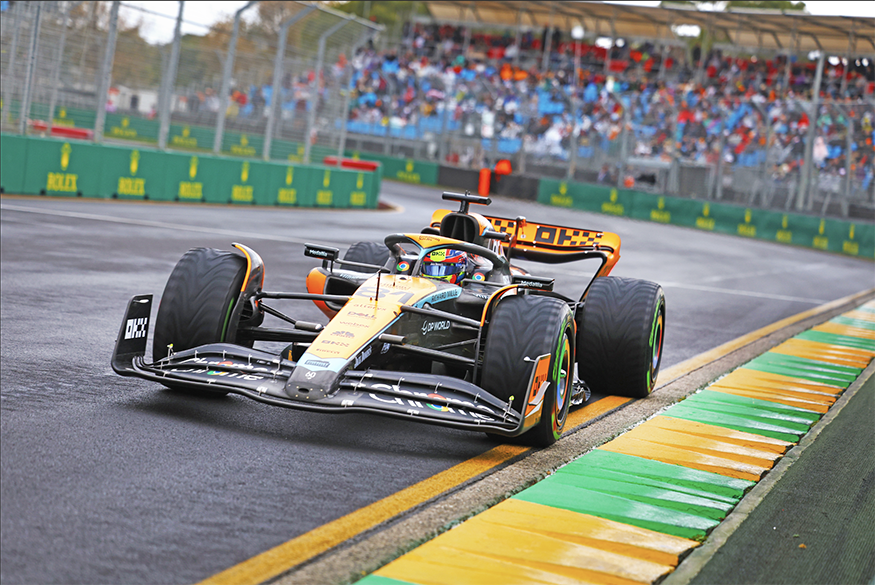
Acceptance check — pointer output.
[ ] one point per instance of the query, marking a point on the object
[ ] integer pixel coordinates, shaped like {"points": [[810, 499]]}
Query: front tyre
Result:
{"points": [[620, 336], [198, 301], [367, 253], [523, 331]]}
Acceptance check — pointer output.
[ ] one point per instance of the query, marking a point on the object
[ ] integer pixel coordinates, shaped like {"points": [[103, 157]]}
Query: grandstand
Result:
{"points": [[508, 80], [775, 109]]}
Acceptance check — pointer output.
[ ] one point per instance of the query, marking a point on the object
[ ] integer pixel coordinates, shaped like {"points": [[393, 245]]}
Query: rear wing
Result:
{"points": [[553, 244], [547, 243]]}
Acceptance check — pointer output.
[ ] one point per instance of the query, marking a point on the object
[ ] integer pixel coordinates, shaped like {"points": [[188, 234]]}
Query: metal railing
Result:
{"points": [[785, 153], [81, 66], [315, 84]]}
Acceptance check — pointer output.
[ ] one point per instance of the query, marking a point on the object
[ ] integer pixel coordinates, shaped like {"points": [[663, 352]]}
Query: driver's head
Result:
{"points": [[445, 264]]}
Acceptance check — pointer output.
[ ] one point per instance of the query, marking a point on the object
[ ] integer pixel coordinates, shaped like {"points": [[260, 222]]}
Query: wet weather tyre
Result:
{"points": [[531, 327], [198, 301], [620, 336], [367, 253]]}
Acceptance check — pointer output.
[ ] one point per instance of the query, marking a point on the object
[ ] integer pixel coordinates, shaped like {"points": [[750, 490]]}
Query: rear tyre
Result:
{"points": [[620, 336], [530, 327], [367, 253], [198, 301]]}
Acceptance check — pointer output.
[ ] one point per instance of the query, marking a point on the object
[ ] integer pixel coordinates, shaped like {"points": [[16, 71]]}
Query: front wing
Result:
{"points": [[262, 376]]}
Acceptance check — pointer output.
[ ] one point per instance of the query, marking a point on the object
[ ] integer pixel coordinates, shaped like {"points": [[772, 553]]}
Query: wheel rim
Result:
{"points": [[565, 365], [656, 333], [656, 352]]}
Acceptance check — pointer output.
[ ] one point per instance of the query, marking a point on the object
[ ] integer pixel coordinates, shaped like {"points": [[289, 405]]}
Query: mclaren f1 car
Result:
{"points": [[437, 326]]}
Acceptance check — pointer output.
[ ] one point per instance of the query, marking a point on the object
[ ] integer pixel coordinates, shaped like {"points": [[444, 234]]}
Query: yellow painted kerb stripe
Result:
{"points": [[279, 559], [703, 359]]}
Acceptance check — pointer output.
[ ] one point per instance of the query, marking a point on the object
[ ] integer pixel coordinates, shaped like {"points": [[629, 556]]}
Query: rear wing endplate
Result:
{"points": [[543, 242]]}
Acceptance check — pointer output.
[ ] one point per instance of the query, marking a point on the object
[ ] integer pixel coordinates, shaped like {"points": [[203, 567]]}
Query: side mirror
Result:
{"points": [[535, 282], [322, 252], [325, 253]]}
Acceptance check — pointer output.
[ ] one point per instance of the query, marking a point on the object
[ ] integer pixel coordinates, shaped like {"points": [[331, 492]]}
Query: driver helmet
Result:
{"points": [[445, 264]]}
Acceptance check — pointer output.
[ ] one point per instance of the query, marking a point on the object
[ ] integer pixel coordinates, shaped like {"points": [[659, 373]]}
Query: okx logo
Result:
{"points": [[136, 328]]}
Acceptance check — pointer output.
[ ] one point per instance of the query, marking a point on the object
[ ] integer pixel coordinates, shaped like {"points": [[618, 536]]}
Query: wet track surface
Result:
{"points": [[108, 479]]}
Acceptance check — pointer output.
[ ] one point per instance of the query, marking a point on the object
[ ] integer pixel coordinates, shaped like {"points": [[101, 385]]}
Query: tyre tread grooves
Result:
{"points": [[613, 344], [196, 298]]}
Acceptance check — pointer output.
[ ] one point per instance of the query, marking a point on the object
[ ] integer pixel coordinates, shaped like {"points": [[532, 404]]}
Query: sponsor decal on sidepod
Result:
{"points": [[362, 357], [430, 326], [317, 363]]}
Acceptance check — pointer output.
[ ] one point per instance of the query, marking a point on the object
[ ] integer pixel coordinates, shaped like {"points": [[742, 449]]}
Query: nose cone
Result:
{"points": [[310, 384]]}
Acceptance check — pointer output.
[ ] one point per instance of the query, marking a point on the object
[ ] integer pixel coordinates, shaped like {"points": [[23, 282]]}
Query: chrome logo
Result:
{"points": [[442, 407], [403, 266]]}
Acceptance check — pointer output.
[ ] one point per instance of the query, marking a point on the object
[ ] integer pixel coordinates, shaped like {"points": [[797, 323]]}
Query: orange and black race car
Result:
{"points": [[436, 326]]}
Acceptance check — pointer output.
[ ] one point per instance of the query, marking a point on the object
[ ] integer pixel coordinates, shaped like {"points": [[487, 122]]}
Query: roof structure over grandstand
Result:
{"points": [[785, 31]]}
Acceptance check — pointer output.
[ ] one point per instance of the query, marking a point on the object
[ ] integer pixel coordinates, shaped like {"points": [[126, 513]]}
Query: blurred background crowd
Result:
{"points": [[672, 105], [686, 115]]}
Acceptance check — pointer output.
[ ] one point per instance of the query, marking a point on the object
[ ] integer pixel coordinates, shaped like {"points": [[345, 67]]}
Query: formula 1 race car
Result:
{"points": [[436, 326]]}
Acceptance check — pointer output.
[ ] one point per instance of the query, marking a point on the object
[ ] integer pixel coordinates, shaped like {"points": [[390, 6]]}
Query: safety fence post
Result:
{"points": [[226, 78], [106, 72], [170, 82]]}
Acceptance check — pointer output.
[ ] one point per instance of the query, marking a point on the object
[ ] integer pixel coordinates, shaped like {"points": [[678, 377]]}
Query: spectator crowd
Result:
{"points": [[643, 100]]}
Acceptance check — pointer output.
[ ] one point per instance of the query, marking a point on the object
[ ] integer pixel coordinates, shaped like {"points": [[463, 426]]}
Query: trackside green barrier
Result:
{"points": [[286, 150], [854, 238], [290, 185], [64, 116], [131, 128], [55, 167], [216, 180], [12, 159], [132, 173], [367, 189], [408, 170], [32, 165], [249, 145], [200, 138], [190, 137]]}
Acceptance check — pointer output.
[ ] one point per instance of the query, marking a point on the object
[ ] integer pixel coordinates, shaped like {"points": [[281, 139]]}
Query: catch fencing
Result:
{"points": [[337, 94], [59, 57], [738, 150]]}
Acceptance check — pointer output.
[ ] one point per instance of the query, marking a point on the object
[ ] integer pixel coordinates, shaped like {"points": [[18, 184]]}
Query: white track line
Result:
{"points": [[744, 293], [768, 272], [214, 231], [158, 224]]}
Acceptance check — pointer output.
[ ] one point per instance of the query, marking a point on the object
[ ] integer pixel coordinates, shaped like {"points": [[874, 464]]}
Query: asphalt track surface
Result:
{"points": [[108, 479]]}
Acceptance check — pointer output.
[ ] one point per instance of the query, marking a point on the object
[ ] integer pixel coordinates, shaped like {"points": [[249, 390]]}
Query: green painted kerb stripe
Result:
{"points": [[836, 339], [759, 408], [378, 580], [738, 423], [619, 509], [859, 323], [796, 367], [663, 496], [609, 464], [810, 365], [587, 477]]}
